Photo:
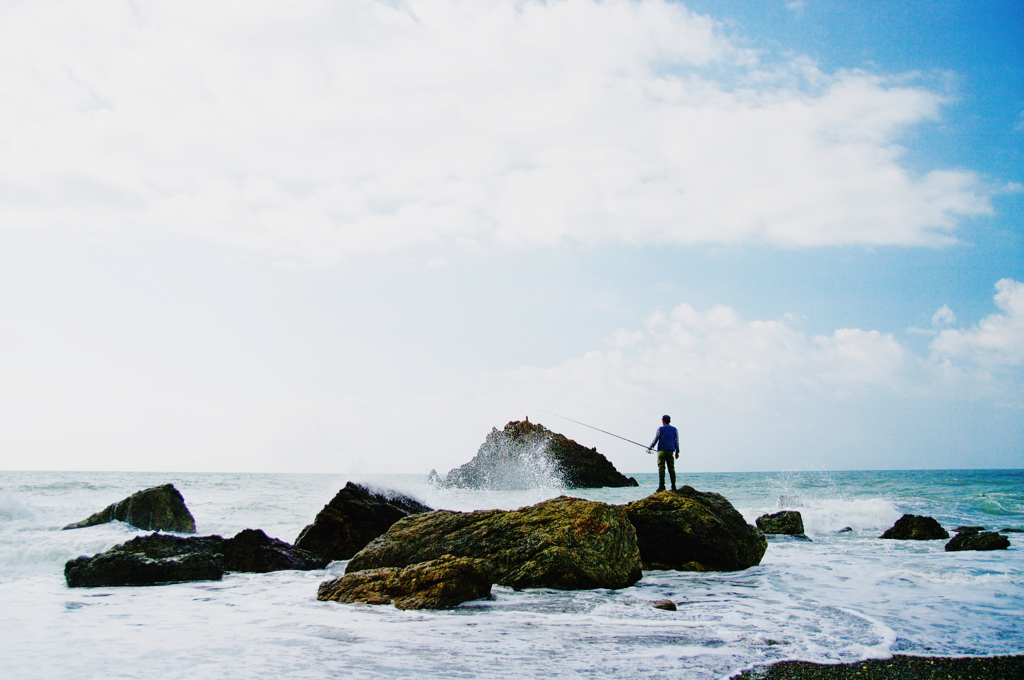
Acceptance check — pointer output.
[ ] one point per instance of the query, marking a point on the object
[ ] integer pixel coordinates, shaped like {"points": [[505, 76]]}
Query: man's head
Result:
{"points": [[666, 420]]}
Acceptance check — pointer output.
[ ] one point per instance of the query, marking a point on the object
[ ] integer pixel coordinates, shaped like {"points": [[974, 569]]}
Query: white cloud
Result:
{"points": [[314, 130], [944, 316], [996, 341], [716, 354]]}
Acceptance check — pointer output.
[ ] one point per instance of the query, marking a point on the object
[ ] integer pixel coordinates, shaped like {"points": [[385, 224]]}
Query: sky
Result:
{"points": [[354, 236]]}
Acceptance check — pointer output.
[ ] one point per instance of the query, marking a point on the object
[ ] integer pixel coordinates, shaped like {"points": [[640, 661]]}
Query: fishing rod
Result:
{"points": [[593, 428]]}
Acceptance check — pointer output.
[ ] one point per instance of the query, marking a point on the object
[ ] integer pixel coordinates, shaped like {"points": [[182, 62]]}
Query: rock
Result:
{"points": [[161, 558], [160, 508], [526, 455], [437, 584], [114, 568], [844, 530], [973, 539], [667, 605], [354, 517], [915, 528], [252, 550], [563, 543], [1011, 530], [961, 529], [690, 530], [785, 522]]}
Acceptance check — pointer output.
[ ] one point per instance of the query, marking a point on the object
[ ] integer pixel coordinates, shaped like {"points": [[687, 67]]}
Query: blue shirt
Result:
{"points": [[667, 439]]}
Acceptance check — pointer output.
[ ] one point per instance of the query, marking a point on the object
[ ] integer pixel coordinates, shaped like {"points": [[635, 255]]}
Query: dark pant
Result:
{"points": [[666, 458]]}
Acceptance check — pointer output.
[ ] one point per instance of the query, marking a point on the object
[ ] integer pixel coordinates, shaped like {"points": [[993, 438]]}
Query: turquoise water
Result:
{"points": [[840, 597]]}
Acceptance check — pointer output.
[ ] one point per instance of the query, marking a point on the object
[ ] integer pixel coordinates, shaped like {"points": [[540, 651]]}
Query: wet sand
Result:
{"points": [[897, 668]]}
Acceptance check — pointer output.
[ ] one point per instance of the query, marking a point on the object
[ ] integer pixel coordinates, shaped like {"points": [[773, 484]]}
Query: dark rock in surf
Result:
{"points": [[962, 528], [438, 584], [1011, 530], [690, 530], [161, 558], [354, 517], [114, 568], [525, 455], [789, 522], [161, 508], [974, 539], [845, 530], [915, 528], [667, 605], [563, 543]]}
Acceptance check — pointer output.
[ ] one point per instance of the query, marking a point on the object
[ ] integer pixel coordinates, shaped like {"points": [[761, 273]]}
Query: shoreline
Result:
{"points": [[899, 667]]}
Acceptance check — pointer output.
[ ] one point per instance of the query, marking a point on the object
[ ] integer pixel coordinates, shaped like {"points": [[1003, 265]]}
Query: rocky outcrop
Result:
{"points": [[354, 517], [160, 558], [564, 543], [916, 528], [667, 605], [690, 530], [525, 455], [973, 538], [438, 584], [161, 508], [789, 522]]}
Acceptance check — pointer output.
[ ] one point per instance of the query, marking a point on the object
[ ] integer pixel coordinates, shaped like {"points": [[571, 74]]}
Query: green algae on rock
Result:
{"points": [[563, 543], [437, 584], [690, 530]]}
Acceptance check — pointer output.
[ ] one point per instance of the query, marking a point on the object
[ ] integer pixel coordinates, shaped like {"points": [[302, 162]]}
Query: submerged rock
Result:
{"points": [[160, 558], [161, 508], [974, 539], [1011, 530], [563, 543], [437, 584], [690, 530], [667, 605], [525, 455], [915, 528], [789, 522], [354, 517]]}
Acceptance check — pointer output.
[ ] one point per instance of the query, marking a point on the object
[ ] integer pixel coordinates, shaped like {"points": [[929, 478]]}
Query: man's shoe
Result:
{"points": [[660, 488], [673, 487]]}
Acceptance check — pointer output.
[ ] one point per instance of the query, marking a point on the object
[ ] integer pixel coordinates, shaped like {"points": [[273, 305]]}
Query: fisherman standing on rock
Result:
{"points": [[667, 441]]}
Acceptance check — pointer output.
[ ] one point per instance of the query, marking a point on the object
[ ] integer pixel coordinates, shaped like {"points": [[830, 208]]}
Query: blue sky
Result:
{"points": [[353, 237]]}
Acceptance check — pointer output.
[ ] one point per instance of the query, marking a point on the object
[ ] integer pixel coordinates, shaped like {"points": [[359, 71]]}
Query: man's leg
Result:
{"points": [[670, 458], [661, 469]]}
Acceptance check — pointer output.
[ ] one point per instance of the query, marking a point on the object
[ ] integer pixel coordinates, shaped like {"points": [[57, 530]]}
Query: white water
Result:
{"points": [[842, 597]]}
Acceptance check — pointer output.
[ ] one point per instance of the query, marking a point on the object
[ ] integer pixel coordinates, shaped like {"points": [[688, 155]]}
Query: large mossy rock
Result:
{"points": [[975, 539], [160, 558], [787, 522], [915, 528], [161, 508], [564, 543], [354, 517], [438, 584], [690, 530], [525, 455]]}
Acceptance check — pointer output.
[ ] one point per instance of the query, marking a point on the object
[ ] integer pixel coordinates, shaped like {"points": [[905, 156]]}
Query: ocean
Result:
{"points": [[843, 596]]}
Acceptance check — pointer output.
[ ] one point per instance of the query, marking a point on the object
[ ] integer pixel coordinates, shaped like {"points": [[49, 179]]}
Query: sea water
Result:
{"points": [[842, 596]]}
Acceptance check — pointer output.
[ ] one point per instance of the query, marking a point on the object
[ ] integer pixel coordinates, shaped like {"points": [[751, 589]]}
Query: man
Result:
{"points": [[667, 441]]}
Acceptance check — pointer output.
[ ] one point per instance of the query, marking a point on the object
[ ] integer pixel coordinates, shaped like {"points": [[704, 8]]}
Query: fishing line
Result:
{"points": [[592, 427]]}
